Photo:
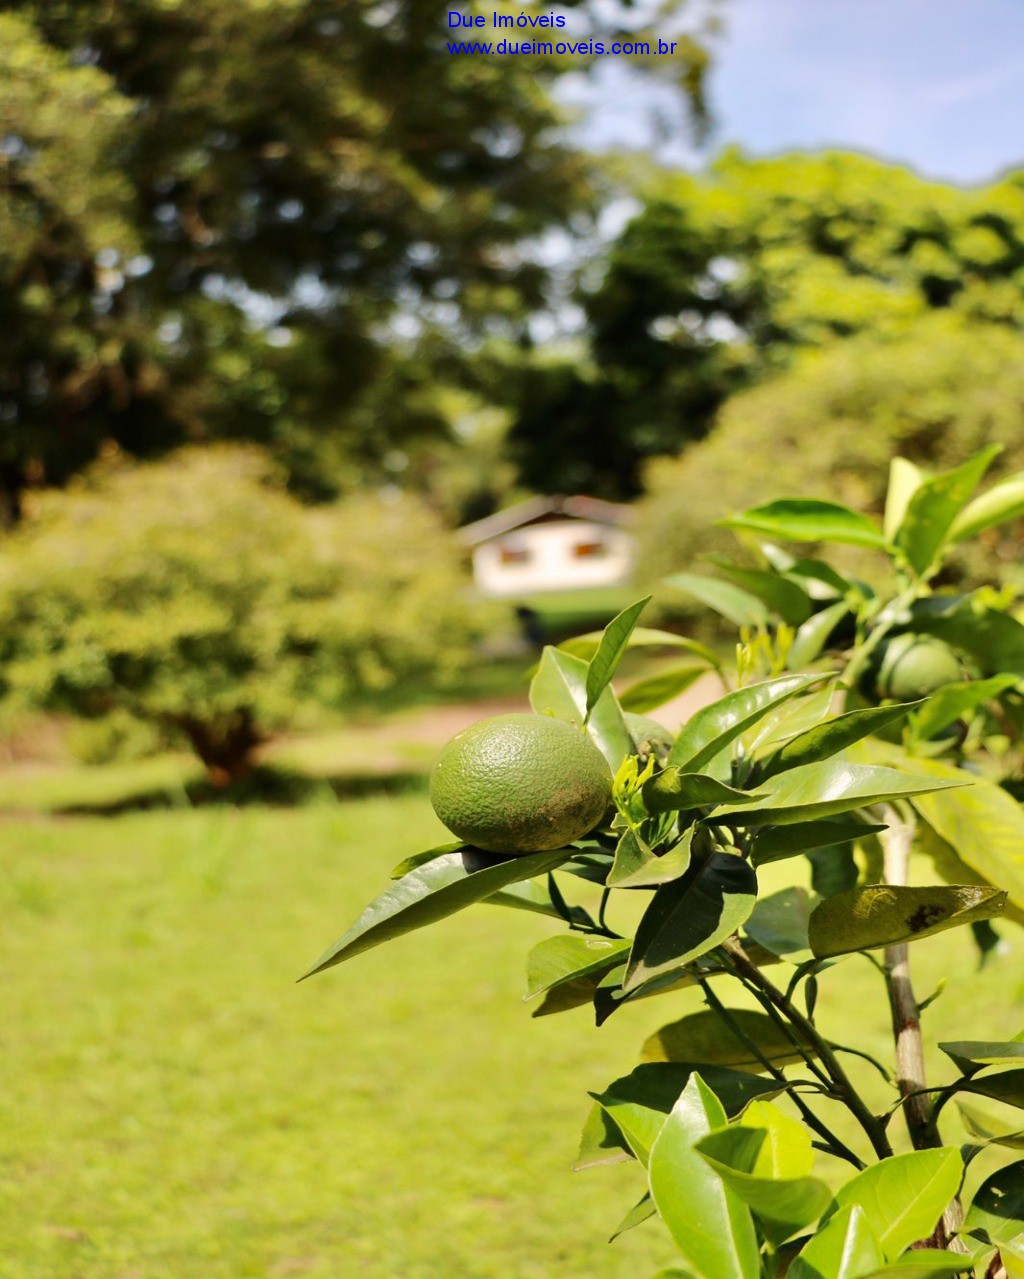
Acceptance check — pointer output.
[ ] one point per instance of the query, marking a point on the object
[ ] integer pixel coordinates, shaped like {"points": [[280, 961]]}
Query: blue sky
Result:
{"points": [[936, 84]]}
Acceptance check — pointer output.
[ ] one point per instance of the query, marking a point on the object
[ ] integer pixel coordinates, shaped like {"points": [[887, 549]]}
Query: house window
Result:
{"points": [[513, 555], [590, 550]]}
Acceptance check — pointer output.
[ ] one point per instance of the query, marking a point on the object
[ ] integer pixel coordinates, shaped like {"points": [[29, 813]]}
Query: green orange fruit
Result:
{"points": [[914, 666], [520, 783]]}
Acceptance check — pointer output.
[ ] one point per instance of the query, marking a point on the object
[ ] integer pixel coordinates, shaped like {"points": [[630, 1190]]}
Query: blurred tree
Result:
{"points": [[723, 277], [197, 595], [828, 426], [289, 221]]}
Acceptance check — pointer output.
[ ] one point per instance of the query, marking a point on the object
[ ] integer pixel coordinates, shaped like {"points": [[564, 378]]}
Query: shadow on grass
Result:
{"points": [[265, 785]]}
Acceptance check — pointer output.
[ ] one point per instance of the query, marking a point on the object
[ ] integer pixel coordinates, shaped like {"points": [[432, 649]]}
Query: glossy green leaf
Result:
{"points": [[656, 1087], [821, 579], [796, 715], [922, 1263], [833, 870], [990, 1129], [808, 520], [904, 480], [1002, 502], [904, 1196], [643, 1210], [586, 646], [934, 505], [1007, 1086], [773, 843], [732, 602], [847, 1248], [785, 597], [956, 700], [713, 727], [601, 1142], [609, 653], [420, 859], [814, 791], [997, 1210], [689, 916], [559, 688], [876, 915], [675, 791], [783, 1200], [648, 694], [983, 824], [704, 1037], [533, 896], [576, 992], [711, 1226], [558, 959], [637, 866], [780, 922], [968, 1053], [813, 635], [432, 892], [825, 740]]}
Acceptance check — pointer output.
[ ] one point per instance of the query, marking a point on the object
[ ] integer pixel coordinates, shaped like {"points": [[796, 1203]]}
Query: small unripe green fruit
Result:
{"points": [[914, 666]]}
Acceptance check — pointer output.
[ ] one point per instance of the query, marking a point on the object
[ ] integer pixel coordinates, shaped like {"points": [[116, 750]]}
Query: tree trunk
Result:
{"points": [[224, 745]]}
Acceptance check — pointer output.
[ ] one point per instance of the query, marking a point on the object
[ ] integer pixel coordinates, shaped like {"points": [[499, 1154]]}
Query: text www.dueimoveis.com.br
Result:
{"points": [[526, 28]]}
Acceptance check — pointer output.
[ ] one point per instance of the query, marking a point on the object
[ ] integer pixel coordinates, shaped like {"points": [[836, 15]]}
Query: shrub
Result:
{"points": [[197, 595]]}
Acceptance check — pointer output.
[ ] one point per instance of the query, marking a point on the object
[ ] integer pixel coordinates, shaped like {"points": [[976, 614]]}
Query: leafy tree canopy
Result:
{"points": [[724, 276], [282, 220]]}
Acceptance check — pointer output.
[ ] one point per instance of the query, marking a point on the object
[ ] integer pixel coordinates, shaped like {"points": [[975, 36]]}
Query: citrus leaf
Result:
{"points": [[643, 1210], [773, 843], [905, 1195], [813, 635], [954, 700], [576, 992], [609, 651], [559, 959], [432, 892], [1008, 1086], [637, 866], [828, 739], [847, 1248], [705, 1038], [783, 1202], [904, 480], [586, 646], [988, 1129], [923, 1263], [813, 791], [559, 688], [968, 1053], [934, 505], [713, 727], [997, 1210], [808, 520], [982, 822], [654, 691], [675, 791], [779, 923], [877, 915], [711, 1226], [420, 859], [689, 916], [736, 605], [1002, 502], [656, 1086], [532, 895], [786, 598]]}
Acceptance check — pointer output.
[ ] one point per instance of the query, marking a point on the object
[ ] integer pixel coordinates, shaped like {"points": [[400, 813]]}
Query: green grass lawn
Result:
{"points": [[175, 1107]]}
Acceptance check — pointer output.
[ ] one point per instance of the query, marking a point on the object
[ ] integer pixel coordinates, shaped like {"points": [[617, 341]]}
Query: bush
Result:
{"points": [[828, 428], [198, 596]]}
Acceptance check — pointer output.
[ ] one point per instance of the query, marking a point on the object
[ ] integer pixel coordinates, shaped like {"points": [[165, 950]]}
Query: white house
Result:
{"points": [[551, 544]]}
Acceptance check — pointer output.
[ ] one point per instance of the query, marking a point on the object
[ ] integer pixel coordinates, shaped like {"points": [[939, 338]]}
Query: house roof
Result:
{"points": [[536, 510]]}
